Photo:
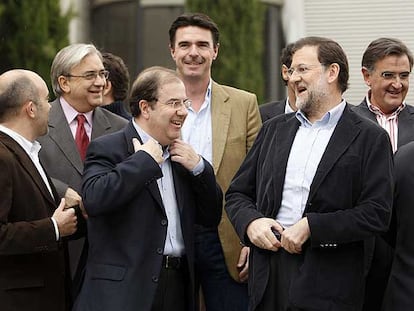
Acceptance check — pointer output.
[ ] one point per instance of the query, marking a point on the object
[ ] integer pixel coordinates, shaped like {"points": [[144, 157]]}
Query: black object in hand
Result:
{"points": [[276, 233]]}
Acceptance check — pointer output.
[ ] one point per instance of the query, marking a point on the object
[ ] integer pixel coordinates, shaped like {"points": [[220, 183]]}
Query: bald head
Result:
{"points": [[17, 87]]}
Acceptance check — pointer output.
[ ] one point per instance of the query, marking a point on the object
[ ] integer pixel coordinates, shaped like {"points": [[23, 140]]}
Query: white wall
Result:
{"points": [[354, 24]]}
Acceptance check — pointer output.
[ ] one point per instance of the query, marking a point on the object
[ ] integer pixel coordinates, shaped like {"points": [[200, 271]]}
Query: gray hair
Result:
{"points": [[67, 58]]}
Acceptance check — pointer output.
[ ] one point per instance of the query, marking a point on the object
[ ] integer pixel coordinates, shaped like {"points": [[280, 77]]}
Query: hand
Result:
{"points": [[72, 198], [260, 233], [65, 219], [243, 264], [151, 147], [295, 236], [184, 154]]}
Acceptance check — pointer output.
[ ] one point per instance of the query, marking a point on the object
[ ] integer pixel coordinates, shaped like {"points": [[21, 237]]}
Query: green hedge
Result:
{"points": [[31, 33]]}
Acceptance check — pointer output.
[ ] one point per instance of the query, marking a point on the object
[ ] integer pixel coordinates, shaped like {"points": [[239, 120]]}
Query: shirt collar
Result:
{"points": [[288, 109], [145, 137], [71, 113], [27, 145], [376, 110], [330, 118]]}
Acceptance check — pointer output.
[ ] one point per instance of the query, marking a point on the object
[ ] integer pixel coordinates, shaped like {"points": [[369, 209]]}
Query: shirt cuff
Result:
{"points": [[56, 228], [199, 168]]}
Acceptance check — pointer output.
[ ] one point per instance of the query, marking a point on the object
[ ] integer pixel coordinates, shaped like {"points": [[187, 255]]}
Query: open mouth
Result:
{"points": [[177, 123], [300, 90]]}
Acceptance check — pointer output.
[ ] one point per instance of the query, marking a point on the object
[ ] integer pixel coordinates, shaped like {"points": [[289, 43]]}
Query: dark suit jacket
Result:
{"points": [[349, 201], [383, 253], [61, 159], [399, 295], [33, 266], [272, 109], [127, 223]]}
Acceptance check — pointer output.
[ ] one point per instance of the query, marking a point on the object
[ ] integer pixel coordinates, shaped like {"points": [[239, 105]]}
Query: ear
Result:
{"points": [[333, 72], [107, 88], [30, 109], [63, 83], [216, 50], [367, 76], [145, 108], [172, 51], [285, 72]]}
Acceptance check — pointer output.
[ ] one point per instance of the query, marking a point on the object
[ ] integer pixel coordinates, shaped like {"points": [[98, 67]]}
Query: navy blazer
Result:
{"points": [[399, 295], [384, 252], [349, 202], [127, 223]]}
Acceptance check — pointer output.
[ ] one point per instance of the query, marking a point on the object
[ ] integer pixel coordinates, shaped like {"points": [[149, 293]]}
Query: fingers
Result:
{"points": [[62, 204], [184, 154], [243, 264], [260, 233]]}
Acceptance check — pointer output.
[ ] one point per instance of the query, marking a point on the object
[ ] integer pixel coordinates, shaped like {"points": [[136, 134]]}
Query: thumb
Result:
{"points": [[62, 204], [136, 143]]}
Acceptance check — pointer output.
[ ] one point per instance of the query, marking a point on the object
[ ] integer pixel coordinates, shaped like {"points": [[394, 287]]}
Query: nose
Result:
{"points": [[100, 80], [397, 82], [182, 111], [193, 50], [294, 76]]}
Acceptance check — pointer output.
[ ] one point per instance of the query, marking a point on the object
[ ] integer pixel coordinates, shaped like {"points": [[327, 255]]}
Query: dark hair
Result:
{"points": [[383, 47], [147, 84], [286, 58], [118, 75], [329, 52], [194, 19], [15, 94]]}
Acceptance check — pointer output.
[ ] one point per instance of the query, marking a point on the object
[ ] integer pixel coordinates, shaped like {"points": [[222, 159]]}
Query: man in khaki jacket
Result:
{"points": [[221, 125]]}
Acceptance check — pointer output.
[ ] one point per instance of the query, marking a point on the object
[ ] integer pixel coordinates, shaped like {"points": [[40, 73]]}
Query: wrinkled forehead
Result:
{"points": [[305, 55]]}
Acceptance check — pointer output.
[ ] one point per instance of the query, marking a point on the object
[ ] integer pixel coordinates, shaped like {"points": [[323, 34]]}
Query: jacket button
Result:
{"points": [[164, 222], [155, 279], [159, 251]]}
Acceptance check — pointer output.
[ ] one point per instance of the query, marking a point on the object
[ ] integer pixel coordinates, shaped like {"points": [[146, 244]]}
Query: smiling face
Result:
{"points": [[83, 94], [193, 52], [164, 122], [388, 94]]}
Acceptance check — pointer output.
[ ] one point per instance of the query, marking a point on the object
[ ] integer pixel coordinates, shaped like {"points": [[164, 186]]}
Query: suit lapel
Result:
{"points": [[101, 124], [284, 136], [343, 135], [364, 111], [28, 166], [220, 120], [59, 132], [405, 126], [130, 133]]}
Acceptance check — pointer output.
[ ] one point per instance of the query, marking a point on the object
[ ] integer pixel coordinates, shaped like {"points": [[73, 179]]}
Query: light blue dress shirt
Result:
{"points": [[174, 242], [307, 150]]}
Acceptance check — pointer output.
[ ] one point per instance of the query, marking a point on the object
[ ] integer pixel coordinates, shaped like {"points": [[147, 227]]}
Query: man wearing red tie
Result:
{"points": [[78, 78]]}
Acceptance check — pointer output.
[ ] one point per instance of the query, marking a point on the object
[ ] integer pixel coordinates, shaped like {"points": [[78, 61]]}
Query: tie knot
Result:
{"points": [[81, 119]]}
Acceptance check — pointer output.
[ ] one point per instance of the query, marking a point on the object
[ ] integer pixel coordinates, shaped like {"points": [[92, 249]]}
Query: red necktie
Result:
{"points": [[81, 138]]}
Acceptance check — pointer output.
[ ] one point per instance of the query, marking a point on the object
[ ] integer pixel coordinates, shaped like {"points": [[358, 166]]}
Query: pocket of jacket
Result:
{"points": [[107, 272]]}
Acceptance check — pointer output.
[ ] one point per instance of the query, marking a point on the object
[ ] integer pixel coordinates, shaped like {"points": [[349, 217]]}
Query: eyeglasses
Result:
{"points": [[301, 70], [178, 103], [91, 75], [389, 75]]}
